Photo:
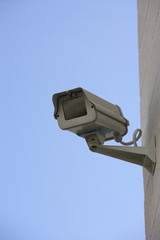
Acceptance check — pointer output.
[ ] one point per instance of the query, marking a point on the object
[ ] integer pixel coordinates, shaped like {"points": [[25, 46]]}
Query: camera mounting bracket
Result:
{"points": [[143, 156]]}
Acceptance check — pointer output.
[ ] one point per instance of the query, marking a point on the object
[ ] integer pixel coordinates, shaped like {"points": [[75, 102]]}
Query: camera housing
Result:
{"points": [[84, 113]]}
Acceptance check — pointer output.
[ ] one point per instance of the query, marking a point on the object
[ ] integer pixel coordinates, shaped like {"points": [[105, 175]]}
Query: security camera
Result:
{"points": [[97, 120], [83, 113]]}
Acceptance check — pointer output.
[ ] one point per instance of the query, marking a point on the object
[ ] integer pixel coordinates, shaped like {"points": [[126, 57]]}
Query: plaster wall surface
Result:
{"points": [[149, 73]]}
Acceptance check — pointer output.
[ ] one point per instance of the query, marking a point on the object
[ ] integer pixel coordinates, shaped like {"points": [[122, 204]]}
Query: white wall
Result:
{"points": [[149, 73]]}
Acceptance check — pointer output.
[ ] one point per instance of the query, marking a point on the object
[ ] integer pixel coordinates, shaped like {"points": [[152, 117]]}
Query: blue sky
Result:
{"points": [[51, 185]]}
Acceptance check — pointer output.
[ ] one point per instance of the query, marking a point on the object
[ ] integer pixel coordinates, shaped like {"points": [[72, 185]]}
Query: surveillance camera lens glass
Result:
{"points": [[74, 108]]}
